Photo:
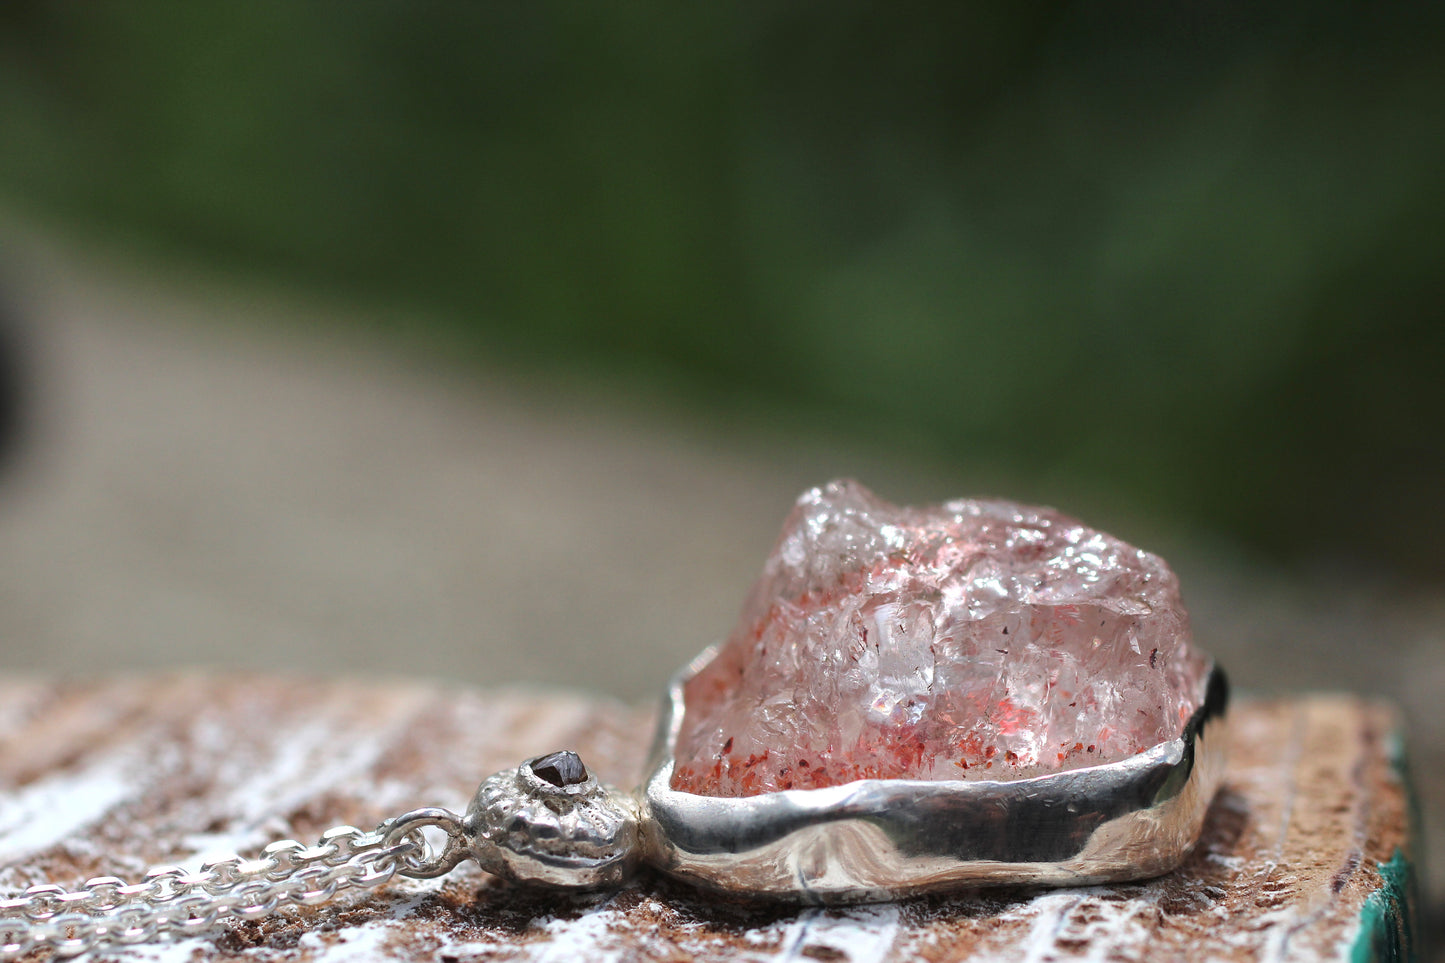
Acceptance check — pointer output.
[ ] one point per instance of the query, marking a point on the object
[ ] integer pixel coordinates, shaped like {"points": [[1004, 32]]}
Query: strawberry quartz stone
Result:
{"points": [[976, 639]]}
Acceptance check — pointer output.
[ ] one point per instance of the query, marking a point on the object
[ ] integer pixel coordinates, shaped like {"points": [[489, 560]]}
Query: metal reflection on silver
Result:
{"points": [[879, 839], [525, 829]]}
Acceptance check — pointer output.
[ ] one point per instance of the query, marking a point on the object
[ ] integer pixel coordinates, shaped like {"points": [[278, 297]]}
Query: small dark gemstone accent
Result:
{"points": [[561, 769]]}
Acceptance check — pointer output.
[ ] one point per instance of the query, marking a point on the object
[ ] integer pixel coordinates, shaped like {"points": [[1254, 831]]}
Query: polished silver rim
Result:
{"points": [[878, 839]]}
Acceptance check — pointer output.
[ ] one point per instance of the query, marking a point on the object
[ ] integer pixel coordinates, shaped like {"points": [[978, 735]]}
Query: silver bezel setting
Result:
{"points": [[524, 828], [880, 839]]}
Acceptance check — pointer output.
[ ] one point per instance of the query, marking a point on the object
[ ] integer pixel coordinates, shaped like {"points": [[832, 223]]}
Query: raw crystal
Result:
{"points": [[976, 639], [560, 769]]}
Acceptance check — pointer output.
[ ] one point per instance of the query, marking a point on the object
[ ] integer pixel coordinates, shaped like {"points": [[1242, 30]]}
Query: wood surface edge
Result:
{"points": [[947, 929], [1389, 919]]}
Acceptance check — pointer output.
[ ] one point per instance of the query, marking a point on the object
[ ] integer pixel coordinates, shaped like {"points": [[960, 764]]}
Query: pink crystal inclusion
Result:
{"points": [[976, 639]]}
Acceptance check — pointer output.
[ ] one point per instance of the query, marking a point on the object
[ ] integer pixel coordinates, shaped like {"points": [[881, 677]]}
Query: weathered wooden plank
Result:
{"points": [[114, 777]]}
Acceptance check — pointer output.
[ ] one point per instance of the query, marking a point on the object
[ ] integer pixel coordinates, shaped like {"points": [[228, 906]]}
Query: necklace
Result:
{"points": [[914, 700]]}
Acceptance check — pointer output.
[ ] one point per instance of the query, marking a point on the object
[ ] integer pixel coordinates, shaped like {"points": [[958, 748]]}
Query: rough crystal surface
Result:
{"points": [[562, 768], [977, 639]]}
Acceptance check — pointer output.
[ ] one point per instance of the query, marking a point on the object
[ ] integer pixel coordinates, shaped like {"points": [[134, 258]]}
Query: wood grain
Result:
{"points": [[112, 777]]}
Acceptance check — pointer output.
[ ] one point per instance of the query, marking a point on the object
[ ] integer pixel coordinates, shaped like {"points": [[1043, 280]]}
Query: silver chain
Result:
{"points": [[171, 901]]}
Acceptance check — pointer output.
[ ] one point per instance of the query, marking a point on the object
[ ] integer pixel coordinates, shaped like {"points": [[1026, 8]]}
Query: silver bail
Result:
{"points": [[550, 822]]}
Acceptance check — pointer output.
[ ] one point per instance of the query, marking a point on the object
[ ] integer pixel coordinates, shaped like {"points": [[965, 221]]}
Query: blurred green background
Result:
{"points": [[1186, 258]]}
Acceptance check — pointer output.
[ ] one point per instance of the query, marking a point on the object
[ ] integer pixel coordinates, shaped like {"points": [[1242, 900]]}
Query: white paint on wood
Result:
{"points": [[60, 806], [264, 754], [863, 934], [187, 950], [304, 761], [1048, 912], [593, 936]]}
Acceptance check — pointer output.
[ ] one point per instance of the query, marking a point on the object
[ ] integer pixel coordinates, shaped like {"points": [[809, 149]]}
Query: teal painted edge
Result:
{"points": [[1387, 920]]}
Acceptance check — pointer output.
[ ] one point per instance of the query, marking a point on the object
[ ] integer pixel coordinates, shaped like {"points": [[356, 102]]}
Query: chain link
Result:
{"points": [[172, 901]]}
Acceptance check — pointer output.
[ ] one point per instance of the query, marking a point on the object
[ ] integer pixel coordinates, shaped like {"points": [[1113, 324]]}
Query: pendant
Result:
{"points": [[914, 700]]}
